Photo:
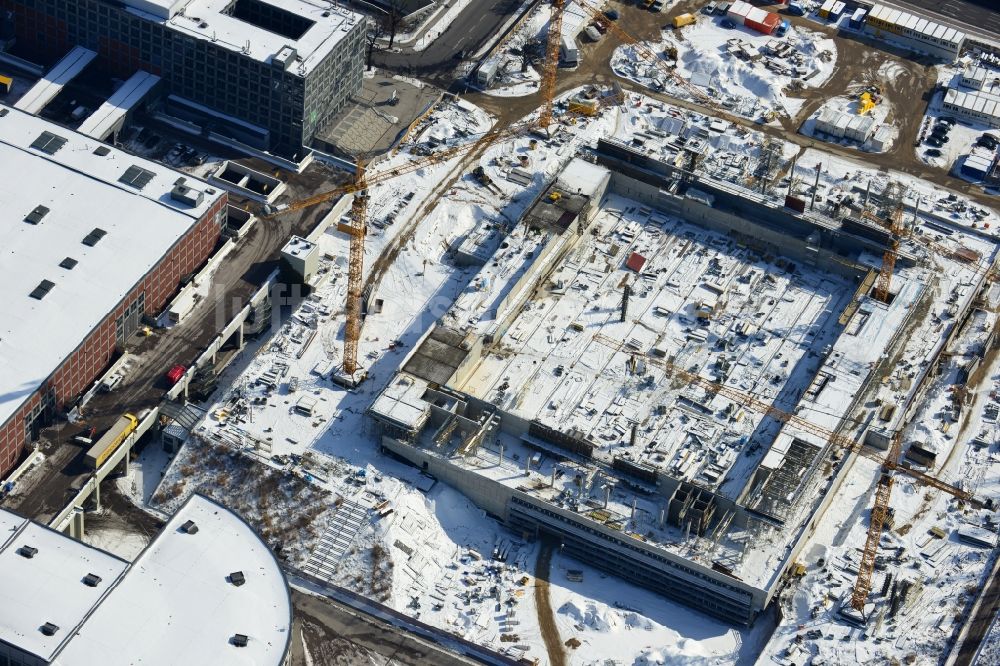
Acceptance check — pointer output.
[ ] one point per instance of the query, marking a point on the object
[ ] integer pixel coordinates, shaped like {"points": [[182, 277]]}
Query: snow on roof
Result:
{"points": [[325, 24], [176, 605], [59, 189], [102, 121], [584, 177], [402, 401], [50, 85], [48, 587]]}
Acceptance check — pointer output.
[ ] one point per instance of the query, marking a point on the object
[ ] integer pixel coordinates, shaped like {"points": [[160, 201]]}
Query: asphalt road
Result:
{"points": [[979, 15], [479, 23], [326, 632]]}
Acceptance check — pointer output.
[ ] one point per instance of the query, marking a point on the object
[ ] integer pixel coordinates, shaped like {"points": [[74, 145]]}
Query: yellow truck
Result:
{"points": [[682, 20]]}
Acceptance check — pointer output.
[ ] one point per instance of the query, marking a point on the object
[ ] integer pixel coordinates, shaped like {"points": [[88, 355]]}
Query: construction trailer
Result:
{"points": [[915, 32], [487, 73], [754, 18]]}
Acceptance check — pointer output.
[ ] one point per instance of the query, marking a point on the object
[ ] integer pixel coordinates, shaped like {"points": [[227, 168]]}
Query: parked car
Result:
{"points": [[988, 141], [782, 28], [593, 34], [709, 8], [611, 15], [727, 24], [933, 152], [795, 10], [601, 28], [949, 120], [934, 141]]}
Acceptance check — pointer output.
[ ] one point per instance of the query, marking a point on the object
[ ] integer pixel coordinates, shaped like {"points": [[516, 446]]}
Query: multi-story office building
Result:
{"points": [[268, 73]]}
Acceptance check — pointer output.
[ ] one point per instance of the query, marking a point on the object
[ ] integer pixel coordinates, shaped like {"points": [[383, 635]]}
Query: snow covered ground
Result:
{"points": [[924, 579], [753, 74], [841, 178], [377, 526], [515, 80]]}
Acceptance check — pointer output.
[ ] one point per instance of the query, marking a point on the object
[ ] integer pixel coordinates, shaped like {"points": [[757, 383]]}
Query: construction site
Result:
{"points": [[542, 368]]}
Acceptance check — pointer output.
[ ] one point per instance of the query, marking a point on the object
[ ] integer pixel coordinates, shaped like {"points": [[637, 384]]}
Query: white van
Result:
{"points": [[110, 383]]}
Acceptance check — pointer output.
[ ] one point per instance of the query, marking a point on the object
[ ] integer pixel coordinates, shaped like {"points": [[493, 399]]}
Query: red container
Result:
{"points": [[175, 373]]}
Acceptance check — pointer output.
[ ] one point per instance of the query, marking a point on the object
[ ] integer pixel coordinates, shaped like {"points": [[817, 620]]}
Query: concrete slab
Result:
{"points": [[371, 124]]}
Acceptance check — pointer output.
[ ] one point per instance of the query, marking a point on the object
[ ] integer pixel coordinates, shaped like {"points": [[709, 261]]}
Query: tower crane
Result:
{"points": [[355, 268], [548, 87]]}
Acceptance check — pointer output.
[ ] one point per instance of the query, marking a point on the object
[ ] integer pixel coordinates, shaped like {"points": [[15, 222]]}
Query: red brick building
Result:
{"points": [[91, 239]]}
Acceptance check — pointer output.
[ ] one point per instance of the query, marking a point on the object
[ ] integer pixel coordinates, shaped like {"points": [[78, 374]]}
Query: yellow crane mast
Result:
{"points": [[548, 86], [355, 269]]}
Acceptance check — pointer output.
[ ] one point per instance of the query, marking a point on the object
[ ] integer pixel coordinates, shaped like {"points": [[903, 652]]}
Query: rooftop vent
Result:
{"points": [[186, 195], [102, 151], [189, 527], [49, 629], [90, 240], [136, 177], [27, 551], [240, 640], [91, 580], [237, 578], [69, 263], [35, 216], [44, 287], [48, 143]]}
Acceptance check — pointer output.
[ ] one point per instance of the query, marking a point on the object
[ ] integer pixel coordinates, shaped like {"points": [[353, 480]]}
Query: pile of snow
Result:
{"points": [[750, 72]]}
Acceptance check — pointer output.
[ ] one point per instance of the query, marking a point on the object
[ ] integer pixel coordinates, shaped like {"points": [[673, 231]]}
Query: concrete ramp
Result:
{"points": [[109, 118], [52, 83]]}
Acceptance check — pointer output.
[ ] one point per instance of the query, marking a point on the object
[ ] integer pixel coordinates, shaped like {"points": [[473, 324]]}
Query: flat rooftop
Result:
{"points": [[49, 586], [82, 224], [175, 604], [301, 31]]}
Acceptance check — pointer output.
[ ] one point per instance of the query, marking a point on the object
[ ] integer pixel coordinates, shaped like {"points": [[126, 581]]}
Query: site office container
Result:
{"points": [[739, 10], [761, 21]]}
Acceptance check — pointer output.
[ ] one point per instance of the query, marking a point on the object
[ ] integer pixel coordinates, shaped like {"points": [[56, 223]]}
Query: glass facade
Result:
{"points": [[291, 105]]}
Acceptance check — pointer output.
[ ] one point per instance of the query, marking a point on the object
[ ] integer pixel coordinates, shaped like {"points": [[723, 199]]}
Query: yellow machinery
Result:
{"points": [[111, 440], [866, 104], [682, 20], [585, 107]]}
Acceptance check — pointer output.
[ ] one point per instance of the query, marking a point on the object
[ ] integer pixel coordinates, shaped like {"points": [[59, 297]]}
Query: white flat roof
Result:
{"points": [[176, 606], [81, 191], [583, 177], [49, 586], [102, 121], [205, 19], [50, 85]]}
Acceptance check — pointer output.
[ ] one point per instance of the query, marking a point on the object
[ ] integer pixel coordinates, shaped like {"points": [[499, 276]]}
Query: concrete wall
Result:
{"points": [[744, 229], [489, 495]]}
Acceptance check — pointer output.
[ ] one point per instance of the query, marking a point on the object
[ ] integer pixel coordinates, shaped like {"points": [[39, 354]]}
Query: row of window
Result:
{"points": [[631, 544]]}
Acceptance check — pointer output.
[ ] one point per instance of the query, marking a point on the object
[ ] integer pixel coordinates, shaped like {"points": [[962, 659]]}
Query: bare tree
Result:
{"points": [[376, 31], [394, 18]]}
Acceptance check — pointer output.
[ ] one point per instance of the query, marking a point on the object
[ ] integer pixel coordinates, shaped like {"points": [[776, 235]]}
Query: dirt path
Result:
{"points": [[543, 605], [906, 80]]}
